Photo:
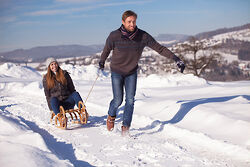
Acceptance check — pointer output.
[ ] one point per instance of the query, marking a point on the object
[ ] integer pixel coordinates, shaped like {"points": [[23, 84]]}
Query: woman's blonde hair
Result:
{"points": [[59, 76]]}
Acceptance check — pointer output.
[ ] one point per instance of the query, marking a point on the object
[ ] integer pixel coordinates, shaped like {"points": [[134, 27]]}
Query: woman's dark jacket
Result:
{"points": [[60, 91]]}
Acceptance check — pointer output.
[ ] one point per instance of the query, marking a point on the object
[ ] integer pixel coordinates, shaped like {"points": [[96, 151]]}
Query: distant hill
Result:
{"points": [[39, 54], [210, 34], [204, 35]]}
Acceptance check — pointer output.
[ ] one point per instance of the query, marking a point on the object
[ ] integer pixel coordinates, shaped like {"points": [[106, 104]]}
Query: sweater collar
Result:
{"points": [[127, 34]]}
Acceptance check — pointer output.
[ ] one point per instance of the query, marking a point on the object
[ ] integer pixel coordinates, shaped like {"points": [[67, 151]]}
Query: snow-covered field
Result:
{"points": [[242, 35], [179, 120]]}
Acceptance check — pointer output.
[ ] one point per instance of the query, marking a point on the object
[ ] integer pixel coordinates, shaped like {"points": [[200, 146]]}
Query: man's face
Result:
{"points": [[129, 23]]}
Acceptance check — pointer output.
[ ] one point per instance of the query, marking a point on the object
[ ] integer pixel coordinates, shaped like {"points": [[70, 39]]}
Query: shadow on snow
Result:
{"points": [[185, 108], [60, 149]]}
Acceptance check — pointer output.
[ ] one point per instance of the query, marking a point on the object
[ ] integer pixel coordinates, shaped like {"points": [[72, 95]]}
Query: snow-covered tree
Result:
{"points": [[197, 55]]}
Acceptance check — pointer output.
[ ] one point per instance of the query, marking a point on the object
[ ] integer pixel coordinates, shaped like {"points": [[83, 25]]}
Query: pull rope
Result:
{"points": [[92, 88]]}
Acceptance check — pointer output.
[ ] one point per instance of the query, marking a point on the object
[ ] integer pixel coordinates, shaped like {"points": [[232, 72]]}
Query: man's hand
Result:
{"points": [[181, 65], [101, 65]]}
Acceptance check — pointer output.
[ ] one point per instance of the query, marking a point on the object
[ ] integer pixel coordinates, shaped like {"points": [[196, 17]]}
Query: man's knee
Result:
{"points": [[118, 101], [130, 101]]}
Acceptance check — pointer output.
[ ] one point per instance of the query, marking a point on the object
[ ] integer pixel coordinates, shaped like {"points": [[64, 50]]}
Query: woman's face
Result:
{"points": [[53, 66]]}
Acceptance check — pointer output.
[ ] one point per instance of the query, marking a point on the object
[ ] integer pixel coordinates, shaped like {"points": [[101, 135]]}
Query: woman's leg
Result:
{"points": [[72, 100], [55, 104]]}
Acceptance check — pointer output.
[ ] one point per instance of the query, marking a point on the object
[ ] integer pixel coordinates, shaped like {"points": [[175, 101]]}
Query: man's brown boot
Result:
{"points": [[125, 130], [110, 123]]}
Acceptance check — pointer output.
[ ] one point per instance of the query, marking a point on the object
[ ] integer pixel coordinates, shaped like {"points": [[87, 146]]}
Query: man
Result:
{"points": [[127, 44]]}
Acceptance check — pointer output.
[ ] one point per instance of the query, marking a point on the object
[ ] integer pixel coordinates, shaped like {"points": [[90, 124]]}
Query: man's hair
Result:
{"points": [[127, 14]]}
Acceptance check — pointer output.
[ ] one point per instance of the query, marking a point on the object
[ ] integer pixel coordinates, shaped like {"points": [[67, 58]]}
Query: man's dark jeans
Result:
{"points": [[119, 82]]}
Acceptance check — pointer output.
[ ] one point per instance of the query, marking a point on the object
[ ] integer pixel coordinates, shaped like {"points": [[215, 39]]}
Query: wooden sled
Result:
{"points": [[79, 116]]}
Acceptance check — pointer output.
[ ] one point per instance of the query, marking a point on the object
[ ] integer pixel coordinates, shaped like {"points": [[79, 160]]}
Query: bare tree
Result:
{"points": [[197, 55]]}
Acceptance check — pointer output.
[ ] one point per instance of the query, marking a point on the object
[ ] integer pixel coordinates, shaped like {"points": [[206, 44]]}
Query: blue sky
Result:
{"points": [[29, 23]]}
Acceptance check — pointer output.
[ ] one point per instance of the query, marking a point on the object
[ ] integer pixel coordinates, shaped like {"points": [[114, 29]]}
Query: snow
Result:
{"points": [[22, 146], [229, 57], [243, 35], [79, 72], [154, 80], [167, 42], [179, 120], [11, 70]]}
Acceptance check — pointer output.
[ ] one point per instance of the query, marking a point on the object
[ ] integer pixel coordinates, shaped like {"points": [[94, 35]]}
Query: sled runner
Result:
{"points": [[79, 116]]}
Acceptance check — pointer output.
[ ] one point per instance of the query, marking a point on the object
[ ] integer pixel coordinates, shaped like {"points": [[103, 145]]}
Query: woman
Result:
{"points": [[59, 88]]}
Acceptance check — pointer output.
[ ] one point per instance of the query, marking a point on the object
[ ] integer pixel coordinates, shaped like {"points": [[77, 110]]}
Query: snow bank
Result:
{"points": [[20, 146], [170, 80], [83, 72], [91, 72], [16, 71], [32, 88]]}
